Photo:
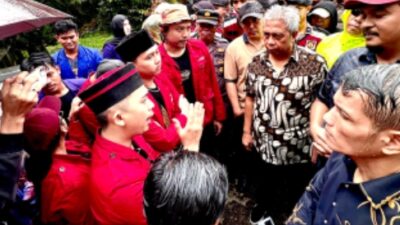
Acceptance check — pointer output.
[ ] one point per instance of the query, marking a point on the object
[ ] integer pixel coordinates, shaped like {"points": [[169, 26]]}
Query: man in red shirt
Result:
{"points": [[162, 134], [189, 67], [121, 158]]}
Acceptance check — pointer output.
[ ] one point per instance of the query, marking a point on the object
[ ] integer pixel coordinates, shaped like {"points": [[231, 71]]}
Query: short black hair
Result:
{"points": [[37, 59], [185, 188], [63, 26]]}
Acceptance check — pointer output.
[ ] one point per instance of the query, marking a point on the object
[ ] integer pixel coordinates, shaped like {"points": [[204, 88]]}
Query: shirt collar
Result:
{"points": [[246, 39], [369, 57], [294, 57]]}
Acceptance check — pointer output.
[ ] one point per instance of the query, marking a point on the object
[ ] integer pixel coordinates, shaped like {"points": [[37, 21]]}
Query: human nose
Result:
{"points": [[328, 117]]}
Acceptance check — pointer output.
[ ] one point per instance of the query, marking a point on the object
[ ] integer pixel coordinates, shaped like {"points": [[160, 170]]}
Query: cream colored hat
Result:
{"points": [[175, 13]]}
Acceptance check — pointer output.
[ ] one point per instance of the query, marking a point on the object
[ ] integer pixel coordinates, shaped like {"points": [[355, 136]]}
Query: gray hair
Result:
{"points": [[289, 14], [381, 83]]}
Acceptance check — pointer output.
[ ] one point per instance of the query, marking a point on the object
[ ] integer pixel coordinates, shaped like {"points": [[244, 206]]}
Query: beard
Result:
{"points": [[375, 49]]}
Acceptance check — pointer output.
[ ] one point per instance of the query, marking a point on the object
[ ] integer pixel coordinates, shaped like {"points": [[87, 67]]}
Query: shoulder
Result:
{"points": [[351, 60], [88, 50]]}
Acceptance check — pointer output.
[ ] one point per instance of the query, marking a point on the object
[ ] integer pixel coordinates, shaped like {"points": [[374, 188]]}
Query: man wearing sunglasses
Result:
{"points": [[379, 22]]}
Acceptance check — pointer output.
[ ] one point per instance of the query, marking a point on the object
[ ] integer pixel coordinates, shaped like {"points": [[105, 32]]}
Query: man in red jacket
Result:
{"points": [[121, 158], [189, 66], [162, 134]]}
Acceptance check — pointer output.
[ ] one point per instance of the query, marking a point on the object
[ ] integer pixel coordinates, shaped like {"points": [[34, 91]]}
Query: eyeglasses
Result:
{"points": [[356, 12]]}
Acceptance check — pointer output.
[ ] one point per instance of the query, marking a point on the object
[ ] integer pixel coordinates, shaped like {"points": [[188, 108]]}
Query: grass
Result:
{"points": [[92, 40]]}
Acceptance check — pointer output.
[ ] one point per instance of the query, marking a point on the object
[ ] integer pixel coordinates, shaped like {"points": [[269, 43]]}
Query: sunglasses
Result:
{"points": [[356, 12]]}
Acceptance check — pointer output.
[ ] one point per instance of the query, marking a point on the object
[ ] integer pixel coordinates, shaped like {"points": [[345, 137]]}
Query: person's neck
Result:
{"points": [[208, 42], [256, 41], [375, 167], [148, 83], [72, 54], [279, 60], [388, 56], [174, 51], [60, 93], [61, 149], [117, 135]]}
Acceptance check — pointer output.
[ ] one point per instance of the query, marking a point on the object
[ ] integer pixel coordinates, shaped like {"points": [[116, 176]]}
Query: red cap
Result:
{"points": [[351, 4], [42, 124]]}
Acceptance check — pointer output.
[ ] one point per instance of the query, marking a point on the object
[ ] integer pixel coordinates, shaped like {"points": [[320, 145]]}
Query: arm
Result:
{"points": [[318, 110], [247, 139], [18, 98], [231, 76]]}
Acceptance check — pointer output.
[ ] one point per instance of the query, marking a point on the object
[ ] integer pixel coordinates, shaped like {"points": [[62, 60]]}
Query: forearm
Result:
{"points": [[233, 95], [248, 114], [317, 112]]}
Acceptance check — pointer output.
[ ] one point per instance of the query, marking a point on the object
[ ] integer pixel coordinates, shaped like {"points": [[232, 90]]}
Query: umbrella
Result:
{"points": [[17, 16]]}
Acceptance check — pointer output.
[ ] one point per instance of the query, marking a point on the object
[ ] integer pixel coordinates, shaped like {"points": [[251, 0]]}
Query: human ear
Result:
{"points": [[391, 143], [118, 118]]}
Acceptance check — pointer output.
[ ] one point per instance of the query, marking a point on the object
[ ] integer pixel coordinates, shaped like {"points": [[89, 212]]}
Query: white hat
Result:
{"points": [[321, 12]]}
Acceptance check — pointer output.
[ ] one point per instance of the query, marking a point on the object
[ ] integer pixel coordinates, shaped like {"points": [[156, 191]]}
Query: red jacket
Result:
{"points": [[118, 175], [65, 191], [205, 83], [160, 136]]}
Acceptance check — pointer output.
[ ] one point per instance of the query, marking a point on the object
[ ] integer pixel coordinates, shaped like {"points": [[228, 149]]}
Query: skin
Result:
{"points": [[380, 27], [148, 63], [54, 85], [354, 25], [127, 27], [176, 38], [69, 41], [252, 27], [206, 32], [320, 22], [237, 4], [349, 131]]}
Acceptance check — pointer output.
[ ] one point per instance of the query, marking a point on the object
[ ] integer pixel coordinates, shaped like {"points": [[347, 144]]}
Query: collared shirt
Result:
{"points": [[349, 61], [333, 198], [238, 55], [87, 61], [281, 105]]}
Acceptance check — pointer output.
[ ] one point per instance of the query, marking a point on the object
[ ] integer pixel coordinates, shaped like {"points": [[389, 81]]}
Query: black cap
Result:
{"points": [[207, 16], [251, 9], [111, 88], [134, 44], [220, 2]]}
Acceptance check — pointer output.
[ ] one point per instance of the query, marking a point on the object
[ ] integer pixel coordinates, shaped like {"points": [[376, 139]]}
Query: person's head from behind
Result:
{"points": [[185, 188], [67, 34], [152, 25], [280, 30], [54, 84], [176, 26], [139, 49], [250, 17], [119, 100], [379, 22], [120, 26], [365, 121]]}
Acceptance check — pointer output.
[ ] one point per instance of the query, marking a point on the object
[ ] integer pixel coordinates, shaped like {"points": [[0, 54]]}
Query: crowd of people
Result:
{"points": [[293, 101]]}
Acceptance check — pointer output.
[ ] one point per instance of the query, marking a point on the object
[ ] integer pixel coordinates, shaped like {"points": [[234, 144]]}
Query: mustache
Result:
{"points": [[369, 32]]}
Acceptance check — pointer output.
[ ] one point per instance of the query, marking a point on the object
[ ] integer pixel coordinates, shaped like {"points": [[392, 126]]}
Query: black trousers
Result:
{"points": [[279, 187]]}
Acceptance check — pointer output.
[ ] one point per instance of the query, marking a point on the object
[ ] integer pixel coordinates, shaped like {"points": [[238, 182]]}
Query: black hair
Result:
{"points": [[185, 188], [63, 26], [36, 59]]}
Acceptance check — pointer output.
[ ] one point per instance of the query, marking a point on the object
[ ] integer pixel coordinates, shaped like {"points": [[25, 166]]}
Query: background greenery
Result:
{"points": [[93, 18]]}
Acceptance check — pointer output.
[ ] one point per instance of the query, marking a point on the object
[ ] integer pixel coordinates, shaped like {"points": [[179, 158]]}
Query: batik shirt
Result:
{"points": [[282, 100]]}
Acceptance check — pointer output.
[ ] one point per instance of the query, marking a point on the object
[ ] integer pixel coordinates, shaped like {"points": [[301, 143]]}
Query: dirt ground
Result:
{"points": [[237, 210]]}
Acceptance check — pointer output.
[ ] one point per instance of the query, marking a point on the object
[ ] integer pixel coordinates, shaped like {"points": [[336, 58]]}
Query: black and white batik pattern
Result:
{"points": [[282, 101]]}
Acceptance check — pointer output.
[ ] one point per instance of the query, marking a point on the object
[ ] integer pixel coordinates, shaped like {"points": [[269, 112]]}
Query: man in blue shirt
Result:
{"points": [[360, 184], [382, 33], [73, 59]]}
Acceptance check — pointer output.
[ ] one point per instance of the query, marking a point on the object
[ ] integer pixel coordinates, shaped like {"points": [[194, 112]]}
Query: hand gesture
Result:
{"points": [[190, 135]]}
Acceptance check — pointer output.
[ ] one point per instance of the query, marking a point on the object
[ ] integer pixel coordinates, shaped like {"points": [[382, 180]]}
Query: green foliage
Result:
{"points": [[93, 40]]}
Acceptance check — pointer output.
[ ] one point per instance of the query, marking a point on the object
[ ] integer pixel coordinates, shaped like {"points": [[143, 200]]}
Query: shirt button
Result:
{"points": [[346, 186], [333, 204], [325, 221], [61, 169]]}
